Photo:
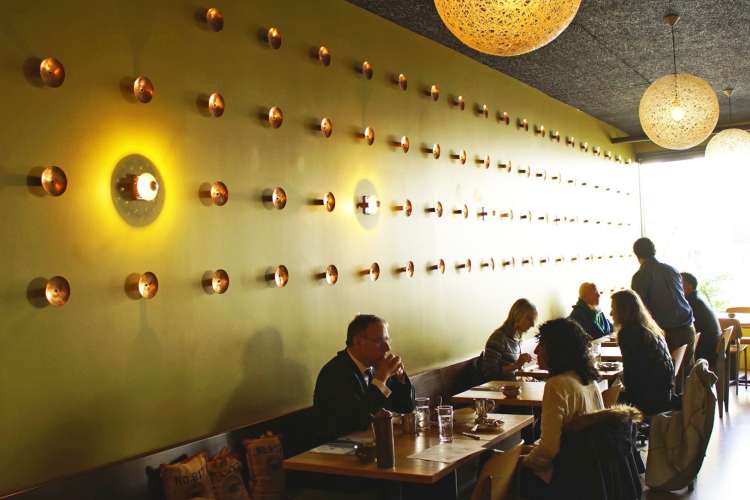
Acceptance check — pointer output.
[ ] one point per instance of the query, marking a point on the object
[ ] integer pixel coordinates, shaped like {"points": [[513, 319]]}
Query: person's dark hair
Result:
{"points": [[568, 348], [359, 324], [690, 279], [644, 248]]}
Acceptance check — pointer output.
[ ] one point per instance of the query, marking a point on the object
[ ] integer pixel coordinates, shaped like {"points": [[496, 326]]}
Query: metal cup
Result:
{"points": [[409, 423]]}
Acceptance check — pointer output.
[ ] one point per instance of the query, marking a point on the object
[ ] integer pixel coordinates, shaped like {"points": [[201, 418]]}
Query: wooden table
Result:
{"points": [[530, 396], [539, 374], [610, 354], [420, 477]]}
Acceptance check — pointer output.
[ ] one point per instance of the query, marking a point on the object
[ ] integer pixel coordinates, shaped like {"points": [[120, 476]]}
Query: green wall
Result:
{"points": [[105, 376]]}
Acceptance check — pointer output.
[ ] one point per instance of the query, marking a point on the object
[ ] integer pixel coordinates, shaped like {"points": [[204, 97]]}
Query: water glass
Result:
{"points": [[423, 414], [445, 423]]}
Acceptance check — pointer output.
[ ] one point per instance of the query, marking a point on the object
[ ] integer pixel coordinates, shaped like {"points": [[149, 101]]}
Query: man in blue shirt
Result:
{"points": [[586, 312], [660, 288]]}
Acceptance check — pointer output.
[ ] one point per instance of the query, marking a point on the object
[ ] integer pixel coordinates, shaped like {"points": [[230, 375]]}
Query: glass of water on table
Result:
{"points": [[445, 423], [423, 414]]}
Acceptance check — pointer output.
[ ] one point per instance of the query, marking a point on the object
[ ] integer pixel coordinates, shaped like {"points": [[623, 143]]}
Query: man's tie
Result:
{"points": [[368, 375]]}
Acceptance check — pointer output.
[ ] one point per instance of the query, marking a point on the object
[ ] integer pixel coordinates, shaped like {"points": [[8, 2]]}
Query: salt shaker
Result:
{"points": [[384, 446]]}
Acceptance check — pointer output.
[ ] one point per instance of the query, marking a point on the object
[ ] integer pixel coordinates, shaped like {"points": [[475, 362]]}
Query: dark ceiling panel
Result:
{"points": [[613, 50]]}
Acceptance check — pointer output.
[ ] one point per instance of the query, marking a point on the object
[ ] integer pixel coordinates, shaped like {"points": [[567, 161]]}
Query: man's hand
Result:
{"points": [[523, 359], [387, 367]]}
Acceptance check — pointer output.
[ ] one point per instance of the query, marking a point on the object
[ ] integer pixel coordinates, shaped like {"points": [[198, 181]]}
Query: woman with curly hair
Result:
{"points": [[564, 349], [648, 371]]}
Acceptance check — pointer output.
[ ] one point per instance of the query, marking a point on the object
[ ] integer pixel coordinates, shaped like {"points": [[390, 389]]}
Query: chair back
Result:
{"points": [[722, 368], [612, 394], [677, 356], [496, 480], [737, 310]]}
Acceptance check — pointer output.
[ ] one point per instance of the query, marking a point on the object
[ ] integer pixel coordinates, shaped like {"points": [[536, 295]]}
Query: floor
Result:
{"points": [[724, 475]]}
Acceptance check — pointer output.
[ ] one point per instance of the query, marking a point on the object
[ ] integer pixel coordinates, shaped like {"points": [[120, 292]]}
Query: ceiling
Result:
{"points": [[613, 50]]}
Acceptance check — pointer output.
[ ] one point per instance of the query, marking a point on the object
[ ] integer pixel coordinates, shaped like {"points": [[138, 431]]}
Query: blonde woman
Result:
{"points": [[502, 353], [648, 371]]}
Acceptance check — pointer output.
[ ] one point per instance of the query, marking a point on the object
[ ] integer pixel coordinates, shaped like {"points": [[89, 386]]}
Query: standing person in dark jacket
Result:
{"points": [[360, 380], [586, 312], [660, 288], [705, 321], [502, 353], [648, 372]]}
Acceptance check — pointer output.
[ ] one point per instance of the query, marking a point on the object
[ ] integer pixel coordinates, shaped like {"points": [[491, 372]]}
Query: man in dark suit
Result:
{"points": [[586, 312], [360, 380], [705, 321]]}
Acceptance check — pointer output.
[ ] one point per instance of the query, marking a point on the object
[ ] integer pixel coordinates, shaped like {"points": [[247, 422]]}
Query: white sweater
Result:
{"points": [[564, 398]]}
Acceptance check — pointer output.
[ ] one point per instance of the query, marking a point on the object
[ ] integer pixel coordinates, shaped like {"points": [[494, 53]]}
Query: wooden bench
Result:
{"points": [[137, 478]]}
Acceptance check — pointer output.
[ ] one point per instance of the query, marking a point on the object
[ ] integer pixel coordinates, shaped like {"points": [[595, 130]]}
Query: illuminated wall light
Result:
{"points": [[219, 193], [406, 207], [143, 89], [370, 205], [216, 104], [57, 291], [326, 127], [459, 102], [276, 198], [523, 123], [278, 277], [433, 92], [145, 187], [483, 110], [52, 72], [540, 130], [368, 134], [274, 117], [438, 266], [147, 285], [402, 81]]}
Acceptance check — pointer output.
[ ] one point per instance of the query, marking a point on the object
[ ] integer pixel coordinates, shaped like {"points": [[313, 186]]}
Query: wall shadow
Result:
{"points": [[259, 396]]}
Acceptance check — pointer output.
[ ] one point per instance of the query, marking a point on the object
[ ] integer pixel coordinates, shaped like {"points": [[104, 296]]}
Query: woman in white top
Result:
{"points": [[564, 349]]}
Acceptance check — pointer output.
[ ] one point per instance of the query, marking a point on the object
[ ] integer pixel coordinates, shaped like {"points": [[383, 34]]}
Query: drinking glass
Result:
{"points": [[445, 423], [423, 414]]}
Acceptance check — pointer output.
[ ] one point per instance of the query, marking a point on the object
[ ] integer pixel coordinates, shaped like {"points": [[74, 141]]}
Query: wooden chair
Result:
{"points": [[677, 356], [722, 367], [497, 480], [733, 363], [737, 310], [612, 394]]}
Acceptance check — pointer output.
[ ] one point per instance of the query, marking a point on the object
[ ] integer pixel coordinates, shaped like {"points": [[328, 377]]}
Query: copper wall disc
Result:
{"points": [[374, 272], [404, 144], [219, 193], [324, 55], [275, 117], [326, 127], [329, 201], [220, 281], [216, 104], [148, 285], [57, 291], [278, 198], [143, 89], [367, 70], [409, 269], [462, 156], [369, 135], [436, 151], [331, 275], [54, 181], [273, 37], [214, 19], [280, 276], [484, 110], [403, 82], [460, 102], [508, 262], [435, 92], [505, 118], [52, 72], [523, 123], [407, 208]]}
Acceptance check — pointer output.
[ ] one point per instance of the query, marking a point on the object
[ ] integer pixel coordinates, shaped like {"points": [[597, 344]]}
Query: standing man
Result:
{"points": [[360, 380], [660, 288], [586, 312], [705, 321]]}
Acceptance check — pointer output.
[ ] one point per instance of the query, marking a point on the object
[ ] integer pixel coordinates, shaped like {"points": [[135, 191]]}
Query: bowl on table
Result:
{"points": [[511, 391]]}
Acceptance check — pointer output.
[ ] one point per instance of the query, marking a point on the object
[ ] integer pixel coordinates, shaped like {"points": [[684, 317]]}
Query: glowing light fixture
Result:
{"points": [[145, 187], [507, 28], [730, 146], [680, 110], [369, 204]]}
